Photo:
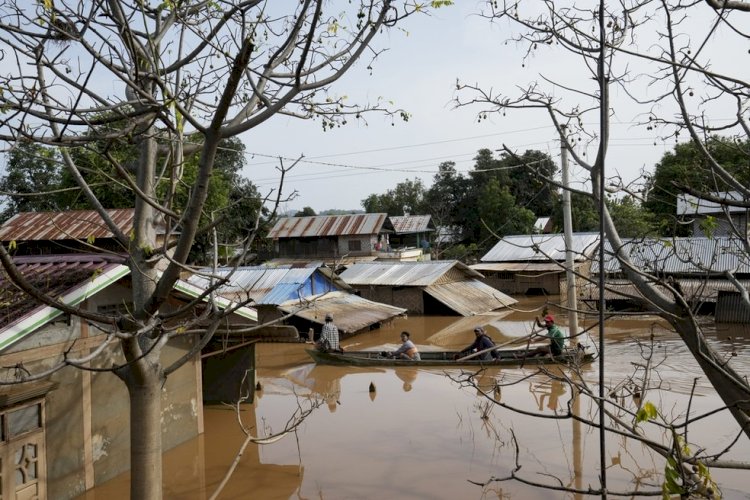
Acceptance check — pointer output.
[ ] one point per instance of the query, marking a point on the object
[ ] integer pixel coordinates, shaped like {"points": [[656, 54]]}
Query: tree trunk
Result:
{"points": [[145, 437]]}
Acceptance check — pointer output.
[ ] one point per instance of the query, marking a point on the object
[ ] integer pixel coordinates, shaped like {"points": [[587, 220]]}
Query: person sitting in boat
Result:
{"points": [[556, 339], [481, 343], [407, 350], [329, 336]]}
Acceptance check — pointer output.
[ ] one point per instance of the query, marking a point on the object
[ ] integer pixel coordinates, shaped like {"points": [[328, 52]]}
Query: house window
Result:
{"points": [[355, 245]]}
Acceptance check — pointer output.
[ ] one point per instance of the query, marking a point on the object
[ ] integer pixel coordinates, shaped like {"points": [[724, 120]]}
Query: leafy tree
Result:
{"points": [[687, 167], [305, 212], [631, 218], [30, 183], [406, 198], [500, 215]]}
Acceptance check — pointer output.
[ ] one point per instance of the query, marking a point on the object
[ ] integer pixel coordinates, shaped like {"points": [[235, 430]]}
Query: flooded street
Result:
{"points": [[421, 435]]}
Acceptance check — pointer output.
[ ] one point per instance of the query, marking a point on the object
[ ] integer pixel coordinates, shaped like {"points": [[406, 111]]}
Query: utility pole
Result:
{"points": [[568, 230]]}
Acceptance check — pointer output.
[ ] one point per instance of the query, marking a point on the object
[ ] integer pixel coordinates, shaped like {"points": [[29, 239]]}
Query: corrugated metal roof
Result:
{"points": [[687, 204], [351, 313], [541, 247], [522, 266], [470, 297], [405, 224], [74, 224], [265, 284], [329, 225], [705, 290], [403, 273], [695, 255], [69, 278]]}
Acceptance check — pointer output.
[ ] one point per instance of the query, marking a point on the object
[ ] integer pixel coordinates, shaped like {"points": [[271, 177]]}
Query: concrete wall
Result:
{"points": [[87, 416]]}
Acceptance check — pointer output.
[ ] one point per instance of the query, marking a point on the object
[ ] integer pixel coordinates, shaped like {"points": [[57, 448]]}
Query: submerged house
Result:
{"points": [[696, 266], [296, 299], [535, 264], [709, 218], [70, 431], [436, 287], [330, 238]]}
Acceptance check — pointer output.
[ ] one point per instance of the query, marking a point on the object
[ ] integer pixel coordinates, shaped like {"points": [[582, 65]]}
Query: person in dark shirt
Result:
{"points": [[481, 342]]}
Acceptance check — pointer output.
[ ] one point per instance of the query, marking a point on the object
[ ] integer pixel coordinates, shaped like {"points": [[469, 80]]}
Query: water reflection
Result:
{"points": [[417, 435]]}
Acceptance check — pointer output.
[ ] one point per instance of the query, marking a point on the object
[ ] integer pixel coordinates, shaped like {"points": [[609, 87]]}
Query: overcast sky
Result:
{"points": [[418, 73]]}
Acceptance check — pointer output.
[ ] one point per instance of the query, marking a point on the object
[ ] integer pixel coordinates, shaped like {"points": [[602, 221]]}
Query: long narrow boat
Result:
{"points": [[507, 357]]}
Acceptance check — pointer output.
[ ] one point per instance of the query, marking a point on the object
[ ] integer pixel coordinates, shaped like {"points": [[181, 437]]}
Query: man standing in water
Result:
{"points": [[329, 336]]}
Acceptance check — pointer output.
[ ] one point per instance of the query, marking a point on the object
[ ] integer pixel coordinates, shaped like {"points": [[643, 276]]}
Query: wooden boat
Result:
{"points": [[445, 358]]}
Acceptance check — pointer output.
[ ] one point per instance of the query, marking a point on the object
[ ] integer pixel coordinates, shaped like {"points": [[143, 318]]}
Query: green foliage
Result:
{"points": [[406, 197], [305, 212], [685, 167], [500, 213], [647, 412], [631, 218], [32, 173]]}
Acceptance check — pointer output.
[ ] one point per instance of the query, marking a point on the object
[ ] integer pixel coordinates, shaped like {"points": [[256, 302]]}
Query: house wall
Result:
{"points": [[521, 283], [357, 245], [723, 228], [409, 297], [87, 416]]}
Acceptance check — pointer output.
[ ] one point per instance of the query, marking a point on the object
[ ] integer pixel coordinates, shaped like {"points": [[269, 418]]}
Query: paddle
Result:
{"points": [[489, 349]]}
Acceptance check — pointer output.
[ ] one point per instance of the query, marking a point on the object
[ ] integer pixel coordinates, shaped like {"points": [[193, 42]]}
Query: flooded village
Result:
{"points": [[401, 432]]}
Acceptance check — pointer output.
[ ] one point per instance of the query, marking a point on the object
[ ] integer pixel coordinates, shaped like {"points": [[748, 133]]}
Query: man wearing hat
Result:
{"points": [[555, 335], [329, 336]]}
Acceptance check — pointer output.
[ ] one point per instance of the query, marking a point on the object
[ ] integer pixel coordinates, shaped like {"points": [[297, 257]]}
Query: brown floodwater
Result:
{"points": [[422, 434]]}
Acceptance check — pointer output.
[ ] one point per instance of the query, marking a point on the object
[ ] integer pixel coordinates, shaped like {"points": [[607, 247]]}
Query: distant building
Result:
{"points": [[436, 287], [412, 231], [543, 225], [698, 210], [534, 264], [329, 237]]}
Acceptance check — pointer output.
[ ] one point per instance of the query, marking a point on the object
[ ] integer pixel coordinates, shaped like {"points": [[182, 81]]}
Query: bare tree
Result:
{"points": [[169, 79], [654, 37]]}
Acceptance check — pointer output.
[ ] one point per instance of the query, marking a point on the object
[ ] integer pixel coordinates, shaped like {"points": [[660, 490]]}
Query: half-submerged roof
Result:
{"points": [[541, 247], [691, 255], [407, 273], [351, 312], [69, 225], [330, 225], [409, 224]]}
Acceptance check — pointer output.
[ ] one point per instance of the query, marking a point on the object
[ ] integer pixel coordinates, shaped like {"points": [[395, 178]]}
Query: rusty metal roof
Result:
{"points": [[541, 247], [407, 273], [469, 298], [705, 290], [406, 224], [74, 224], [53, 275], [330, 225], [351, 313]]}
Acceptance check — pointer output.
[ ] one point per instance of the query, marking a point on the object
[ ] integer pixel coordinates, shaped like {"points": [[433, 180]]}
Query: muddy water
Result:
{"points": [[422, 435]]}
